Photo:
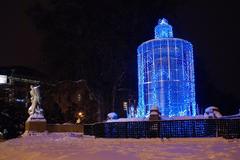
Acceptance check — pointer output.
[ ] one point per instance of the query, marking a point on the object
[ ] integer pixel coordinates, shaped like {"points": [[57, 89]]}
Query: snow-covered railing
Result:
{"points": [[236, 116]]}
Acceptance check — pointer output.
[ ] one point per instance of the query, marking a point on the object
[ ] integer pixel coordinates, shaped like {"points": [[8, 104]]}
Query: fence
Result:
{"points": [[228, 128]]}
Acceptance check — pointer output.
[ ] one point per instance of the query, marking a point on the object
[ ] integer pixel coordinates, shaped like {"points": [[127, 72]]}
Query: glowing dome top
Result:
{"points": [[163, 29]]}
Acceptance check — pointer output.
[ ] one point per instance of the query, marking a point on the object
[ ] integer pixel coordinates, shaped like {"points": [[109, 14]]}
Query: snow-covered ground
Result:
{"points": [[72, 146]]}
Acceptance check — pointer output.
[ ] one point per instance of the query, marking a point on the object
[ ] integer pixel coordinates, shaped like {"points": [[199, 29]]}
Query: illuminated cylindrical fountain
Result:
{"points": [[166, 74]]}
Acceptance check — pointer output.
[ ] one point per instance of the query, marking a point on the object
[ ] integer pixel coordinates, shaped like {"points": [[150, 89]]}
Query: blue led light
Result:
{"points": [[163, 29], [166, 74]]}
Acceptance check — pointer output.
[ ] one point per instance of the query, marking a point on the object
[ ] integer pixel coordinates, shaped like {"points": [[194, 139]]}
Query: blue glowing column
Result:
{"points": [[141, 111], [166, 74]]}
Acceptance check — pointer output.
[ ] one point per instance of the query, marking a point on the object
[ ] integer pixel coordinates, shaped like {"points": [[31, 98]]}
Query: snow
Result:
{"points": [[112, 115], [155, 113], [127, 120], [75, 146], [30, 119], [182, 117]]}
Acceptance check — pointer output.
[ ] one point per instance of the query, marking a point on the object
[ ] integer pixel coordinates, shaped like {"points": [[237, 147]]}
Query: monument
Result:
{"points": [[36, 121]]}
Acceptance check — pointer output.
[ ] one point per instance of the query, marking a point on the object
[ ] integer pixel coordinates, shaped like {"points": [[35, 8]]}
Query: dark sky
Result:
{"points": [[19, 41], [212, 27]]}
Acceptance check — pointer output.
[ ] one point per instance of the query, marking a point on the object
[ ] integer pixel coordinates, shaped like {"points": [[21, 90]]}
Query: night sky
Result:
{"points": [[212, 28]]}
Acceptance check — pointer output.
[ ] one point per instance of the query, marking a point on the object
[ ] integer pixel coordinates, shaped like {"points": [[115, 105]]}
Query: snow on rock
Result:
{"points": [[154, 113], [112, 115], [74, 146], [212, 112]]}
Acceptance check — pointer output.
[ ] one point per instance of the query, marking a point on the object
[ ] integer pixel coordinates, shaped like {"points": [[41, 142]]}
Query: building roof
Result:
{"points": [[22, 72]]}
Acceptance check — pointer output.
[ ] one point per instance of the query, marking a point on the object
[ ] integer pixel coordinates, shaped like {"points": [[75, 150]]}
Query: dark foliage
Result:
{"points": [[12, 120], [63, 100]]}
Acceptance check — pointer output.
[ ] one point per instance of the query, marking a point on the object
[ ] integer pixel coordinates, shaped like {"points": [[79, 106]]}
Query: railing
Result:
{"points": [[228, 128]]}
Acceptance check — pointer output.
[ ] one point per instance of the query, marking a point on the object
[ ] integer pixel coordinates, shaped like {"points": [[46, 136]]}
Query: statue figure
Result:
{"points": [[35, 111], [36, 121]]}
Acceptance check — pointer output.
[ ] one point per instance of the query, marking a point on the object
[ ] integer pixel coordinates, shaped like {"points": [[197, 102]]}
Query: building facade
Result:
{"points": [[166, 74]]}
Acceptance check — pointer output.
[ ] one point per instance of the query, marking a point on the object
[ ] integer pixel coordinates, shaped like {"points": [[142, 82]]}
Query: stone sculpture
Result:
{"points": [[36, 121], [35, 111]]}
